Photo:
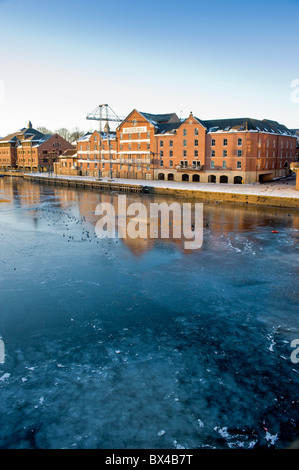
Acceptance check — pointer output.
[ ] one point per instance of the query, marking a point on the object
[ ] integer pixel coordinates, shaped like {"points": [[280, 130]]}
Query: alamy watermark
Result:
{"points": [[295, 353], [295, 93], [154, 220], [2, 91], [2, 352]]}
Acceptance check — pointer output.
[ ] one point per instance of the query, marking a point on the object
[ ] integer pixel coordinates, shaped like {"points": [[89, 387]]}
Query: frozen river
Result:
{"points": [[131, 344]]}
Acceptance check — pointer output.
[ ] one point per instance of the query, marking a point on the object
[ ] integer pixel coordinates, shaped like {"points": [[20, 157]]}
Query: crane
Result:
{"points": [[104, 113]]}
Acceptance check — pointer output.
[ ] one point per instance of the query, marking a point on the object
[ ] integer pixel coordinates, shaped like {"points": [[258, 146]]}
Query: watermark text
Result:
{"points": [[295, 93], [154, 220], [2, 352], [295, 353]]}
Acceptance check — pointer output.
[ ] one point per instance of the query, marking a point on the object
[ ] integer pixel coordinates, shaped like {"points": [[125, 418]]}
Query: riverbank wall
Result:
{"points": [[236, 196]]}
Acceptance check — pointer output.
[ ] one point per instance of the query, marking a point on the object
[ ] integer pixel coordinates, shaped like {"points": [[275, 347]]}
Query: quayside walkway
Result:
{"points": [[280, 193]]}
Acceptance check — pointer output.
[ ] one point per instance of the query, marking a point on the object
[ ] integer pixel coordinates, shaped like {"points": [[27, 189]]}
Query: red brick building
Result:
{"points": [[31, 150], [96, 153], [162, 146]]}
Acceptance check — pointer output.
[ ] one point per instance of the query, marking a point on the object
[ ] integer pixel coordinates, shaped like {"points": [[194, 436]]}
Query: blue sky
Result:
{"points": [[60, 59]]}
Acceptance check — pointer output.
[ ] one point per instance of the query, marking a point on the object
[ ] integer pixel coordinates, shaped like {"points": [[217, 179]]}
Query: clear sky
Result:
{"points": [[60, 59]]}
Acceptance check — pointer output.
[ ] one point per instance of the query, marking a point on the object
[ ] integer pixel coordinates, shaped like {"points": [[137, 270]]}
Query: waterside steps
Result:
{"points": [[86, 184]]}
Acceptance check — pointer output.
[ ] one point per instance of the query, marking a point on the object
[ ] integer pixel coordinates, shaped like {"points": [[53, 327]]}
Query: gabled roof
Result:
{"points": [[25, 132], [249, 124], [42, 140], [69, 153], [160, 118], [86, 136], [168, 127]]}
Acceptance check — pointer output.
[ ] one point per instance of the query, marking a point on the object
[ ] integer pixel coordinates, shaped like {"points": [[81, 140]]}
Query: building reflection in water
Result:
{"points": [[220, 220]]}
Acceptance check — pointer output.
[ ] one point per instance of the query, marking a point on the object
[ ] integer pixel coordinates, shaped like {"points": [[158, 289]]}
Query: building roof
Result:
{"points": [[164, 123], [168, 127], [69, 153], [249, 124], [24, 133], [85, 136], [160, 118]]}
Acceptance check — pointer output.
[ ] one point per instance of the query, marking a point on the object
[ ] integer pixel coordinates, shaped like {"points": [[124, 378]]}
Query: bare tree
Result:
{"points": [[44, 130], [76, 134], [69, 135], [63, 132]]}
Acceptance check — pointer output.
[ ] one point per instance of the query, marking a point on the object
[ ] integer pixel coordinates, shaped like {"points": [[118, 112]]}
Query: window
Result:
{"points": [[139, 146], [239, 142], [185, 153], [171, 163], [213, 143], [239, 164], [185, 143], [130, 146], [212, 153], [225, 142], [148, 135], [171, 143], [239, 153], [161, 153], [161, 143], [212, 164], [195, 153], [184, 164], [121, 146], [196, 131], [130, 136], [161, 162], [171, 153], [195, 143], [196, 164], [224, 164], [224, 153], [185, 132]]}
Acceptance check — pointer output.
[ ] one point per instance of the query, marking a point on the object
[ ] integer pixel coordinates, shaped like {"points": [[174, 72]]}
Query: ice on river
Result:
{"points": [[139, 344]]}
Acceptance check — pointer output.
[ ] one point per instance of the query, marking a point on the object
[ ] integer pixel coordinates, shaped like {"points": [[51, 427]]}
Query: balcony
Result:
{"points": [[220, 168], [189, 168]]}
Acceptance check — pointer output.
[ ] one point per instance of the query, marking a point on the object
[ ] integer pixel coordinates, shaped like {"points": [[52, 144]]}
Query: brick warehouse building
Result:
{"points": [[31, 150], [162, 146]]}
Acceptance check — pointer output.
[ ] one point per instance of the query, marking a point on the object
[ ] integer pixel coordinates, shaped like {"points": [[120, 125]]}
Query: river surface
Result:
{"points": [[131, 344]]}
